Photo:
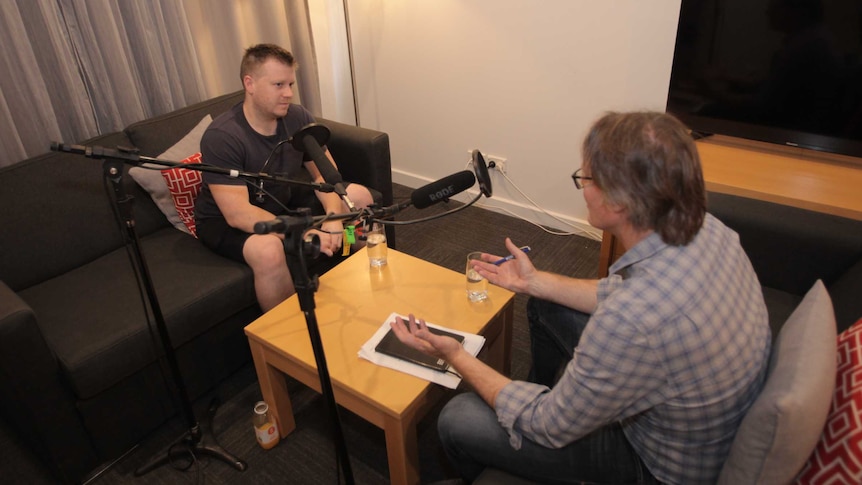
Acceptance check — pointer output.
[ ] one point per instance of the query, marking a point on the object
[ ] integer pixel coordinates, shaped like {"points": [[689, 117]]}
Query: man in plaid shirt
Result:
{"points": [[640, 377]]}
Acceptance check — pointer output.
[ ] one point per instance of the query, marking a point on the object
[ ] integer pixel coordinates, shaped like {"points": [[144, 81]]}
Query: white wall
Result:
{"points": [[521, 79]]}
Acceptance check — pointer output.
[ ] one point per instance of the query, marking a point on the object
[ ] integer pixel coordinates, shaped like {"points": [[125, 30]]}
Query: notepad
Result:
{"points": [[472, 343], [390, 345]]}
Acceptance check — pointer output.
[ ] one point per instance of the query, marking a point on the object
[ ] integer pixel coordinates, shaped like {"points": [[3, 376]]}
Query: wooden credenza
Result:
{"points": [[810, 180]]}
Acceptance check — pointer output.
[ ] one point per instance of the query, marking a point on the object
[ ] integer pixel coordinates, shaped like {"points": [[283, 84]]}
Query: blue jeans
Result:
{"points": [[473, 438], [555, 331]]}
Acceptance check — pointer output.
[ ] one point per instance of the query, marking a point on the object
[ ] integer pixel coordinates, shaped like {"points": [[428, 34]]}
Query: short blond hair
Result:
{"points": [[258, 54]]}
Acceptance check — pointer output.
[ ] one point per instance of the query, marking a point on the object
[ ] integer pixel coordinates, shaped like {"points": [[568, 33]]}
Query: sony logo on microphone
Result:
{"points": [[443, 193]]}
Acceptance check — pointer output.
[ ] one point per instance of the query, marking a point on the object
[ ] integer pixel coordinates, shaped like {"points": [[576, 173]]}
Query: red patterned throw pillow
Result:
{"points": [[184, 186], [838, 456]]}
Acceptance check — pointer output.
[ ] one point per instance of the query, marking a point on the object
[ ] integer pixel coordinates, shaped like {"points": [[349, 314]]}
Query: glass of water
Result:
{"points": [[477, 286], [375, 243]]}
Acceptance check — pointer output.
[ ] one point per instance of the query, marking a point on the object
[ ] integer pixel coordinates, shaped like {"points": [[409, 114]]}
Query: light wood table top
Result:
{"points": [[353, 300]]}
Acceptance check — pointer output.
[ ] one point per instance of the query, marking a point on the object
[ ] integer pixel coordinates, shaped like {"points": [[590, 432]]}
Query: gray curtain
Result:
{"points": [[78, 68], [44, 96]]}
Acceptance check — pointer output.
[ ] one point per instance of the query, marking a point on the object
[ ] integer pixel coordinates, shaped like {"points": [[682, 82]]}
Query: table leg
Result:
{"points": [[508, 324], [498, 347], [273, 388], [402, 449]]}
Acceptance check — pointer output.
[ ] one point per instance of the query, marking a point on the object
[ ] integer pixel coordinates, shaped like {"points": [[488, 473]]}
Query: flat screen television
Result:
{"points": [[781, 71]]}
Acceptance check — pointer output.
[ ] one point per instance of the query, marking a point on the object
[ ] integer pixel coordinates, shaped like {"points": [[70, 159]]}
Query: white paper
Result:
{"points": [[472, 344]]}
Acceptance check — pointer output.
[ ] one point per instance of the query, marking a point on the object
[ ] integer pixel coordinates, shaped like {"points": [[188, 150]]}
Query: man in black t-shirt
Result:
{"points": [[249, 138]]}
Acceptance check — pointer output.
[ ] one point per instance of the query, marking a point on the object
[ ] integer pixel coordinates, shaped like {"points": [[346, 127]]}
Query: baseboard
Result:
{"points": [[510, 207]]}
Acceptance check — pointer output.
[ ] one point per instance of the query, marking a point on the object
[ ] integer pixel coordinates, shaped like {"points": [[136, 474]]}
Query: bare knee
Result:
{"points": [[264, 254], [359, 195]]}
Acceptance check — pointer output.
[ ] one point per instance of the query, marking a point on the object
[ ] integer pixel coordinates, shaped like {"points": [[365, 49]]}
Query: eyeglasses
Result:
{"points": [[577, 177]]}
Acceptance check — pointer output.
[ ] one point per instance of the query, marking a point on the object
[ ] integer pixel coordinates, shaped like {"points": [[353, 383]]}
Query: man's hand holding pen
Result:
{"points": [[512, 272], [524, 249]]}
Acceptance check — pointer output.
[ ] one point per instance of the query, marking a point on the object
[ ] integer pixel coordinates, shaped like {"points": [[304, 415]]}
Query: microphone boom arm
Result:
{"points": [[285, 224], [130, 156]]}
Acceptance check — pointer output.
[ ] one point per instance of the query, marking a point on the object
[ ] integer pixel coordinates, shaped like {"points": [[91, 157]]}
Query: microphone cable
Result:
{"points": [[579, 231], [387, 222], [260, 190]]}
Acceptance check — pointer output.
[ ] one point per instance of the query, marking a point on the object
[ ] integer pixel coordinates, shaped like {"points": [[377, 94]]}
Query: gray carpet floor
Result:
{"points": [[307, 456]]}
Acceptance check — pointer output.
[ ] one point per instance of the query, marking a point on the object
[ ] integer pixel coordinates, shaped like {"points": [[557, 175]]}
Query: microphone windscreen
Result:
{"points": [[316, 153], [481, 170], [442, 189], [309, 140]]}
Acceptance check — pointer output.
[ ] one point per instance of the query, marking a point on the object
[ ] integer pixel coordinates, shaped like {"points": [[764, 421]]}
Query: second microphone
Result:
{"points": [[441, 190]]}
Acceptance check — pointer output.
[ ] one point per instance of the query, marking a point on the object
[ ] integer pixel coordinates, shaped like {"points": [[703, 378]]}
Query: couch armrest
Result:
{"points": [[362, 156], [34, 400]]}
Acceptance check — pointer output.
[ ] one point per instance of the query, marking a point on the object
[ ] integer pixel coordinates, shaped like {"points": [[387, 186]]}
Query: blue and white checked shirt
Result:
{"points": [[676, 351]]}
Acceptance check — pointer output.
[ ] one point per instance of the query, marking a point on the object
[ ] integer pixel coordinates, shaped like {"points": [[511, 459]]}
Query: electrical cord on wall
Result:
{"points": [[578, 231]]}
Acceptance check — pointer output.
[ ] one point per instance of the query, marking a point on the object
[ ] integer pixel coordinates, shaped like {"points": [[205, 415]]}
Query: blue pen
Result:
{"points": [[510, 257]]}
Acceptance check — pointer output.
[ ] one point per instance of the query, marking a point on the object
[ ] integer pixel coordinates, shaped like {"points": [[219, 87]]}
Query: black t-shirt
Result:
{"points": [[230, 142]]}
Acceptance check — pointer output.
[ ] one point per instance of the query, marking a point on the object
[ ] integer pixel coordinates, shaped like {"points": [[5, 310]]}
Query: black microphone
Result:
{"points": [[442, 189], [309, 140]]}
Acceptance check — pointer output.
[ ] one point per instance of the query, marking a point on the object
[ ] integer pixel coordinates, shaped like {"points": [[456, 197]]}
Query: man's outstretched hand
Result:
{"points": [[415, 334]]}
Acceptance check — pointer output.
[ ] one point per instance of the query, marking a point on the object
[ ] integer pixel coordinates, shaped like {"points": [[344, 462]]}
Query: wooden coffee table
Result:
{"points": [[353, 300]]}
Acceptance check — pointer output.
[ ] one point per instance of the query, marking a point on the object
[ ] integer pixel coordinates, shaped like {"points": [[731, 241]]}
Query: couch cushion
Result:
{"points": [[790, 248], [847, 297], [150, 176], [156, 135], [93, 319], [184, 187], [492, 476], [784, 423], [838, 455], [779, 306], [56, 215]]}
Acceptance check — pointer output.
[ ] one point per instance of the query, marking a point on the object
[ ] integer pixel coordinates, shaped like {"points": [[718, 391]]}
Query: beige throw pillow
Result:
{"points": [[783, 426], [154, 183]]}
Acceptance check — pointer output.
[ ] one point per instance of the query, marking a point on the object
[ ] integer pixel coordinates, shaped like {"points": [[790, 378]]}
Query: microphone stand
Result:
{"points": [[296, 249], [197, 440]]}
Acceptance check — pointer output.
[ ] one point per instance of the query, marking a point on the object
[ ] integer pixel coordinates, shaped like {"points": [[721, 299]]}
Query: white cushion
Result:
{"points": [[152, 180], [784, 424]]}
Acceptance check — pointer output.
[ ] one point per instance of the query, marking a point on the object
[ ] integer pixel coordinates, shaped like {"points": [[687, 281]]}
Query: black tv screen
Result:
{"points": [[780, 71]]}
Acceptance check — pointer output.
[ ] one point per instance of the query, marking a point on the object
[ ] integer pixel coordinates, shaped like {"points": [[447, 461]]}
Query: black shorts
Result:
{"points": [[228, 241]]}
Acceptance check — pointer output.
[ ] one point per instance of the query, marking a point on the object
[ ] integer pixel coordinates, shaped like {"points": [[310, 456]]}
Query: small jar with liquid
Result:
{"points": [[265, 428]]}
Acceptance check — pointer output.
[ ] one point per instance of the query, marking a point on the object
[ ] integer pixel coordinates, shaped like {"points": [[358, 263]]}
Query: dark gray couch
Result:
{"points": [[791, 248], [80, 374]]}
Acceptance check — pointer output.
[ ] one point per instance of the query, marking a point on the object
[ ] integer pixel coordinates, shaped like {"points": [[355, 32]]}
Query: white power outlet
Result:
{"points": [[499, 162]]}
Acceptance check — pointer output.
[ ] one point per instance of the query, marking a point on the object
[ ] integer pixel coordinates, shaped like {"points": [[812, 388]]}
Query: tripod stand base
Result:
{"points": [[193, 444]]}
